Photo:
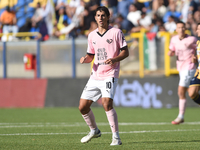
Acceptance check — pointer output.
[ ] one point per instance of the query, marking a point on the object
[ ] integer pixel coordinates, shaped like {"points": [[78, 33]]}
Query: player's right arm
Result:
{"points": [[172, 46], [87, 58], [171, 53]]}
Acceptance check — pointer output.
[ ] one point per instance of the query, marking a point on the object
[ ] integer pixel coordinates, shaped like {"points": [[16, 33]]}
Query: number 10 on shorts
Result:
{"points": [[108, 85]]}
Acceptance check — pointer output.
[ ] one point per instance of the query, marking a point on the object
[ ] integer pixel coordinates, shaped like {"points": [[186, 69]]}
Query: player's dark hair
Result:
{"points": [[181, 22], [103, 8]]}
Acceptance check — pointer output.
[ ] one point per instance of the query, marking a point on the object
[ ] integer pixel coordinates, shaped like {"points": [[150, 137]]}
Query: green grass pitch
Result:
{"points": [[63, 128]]}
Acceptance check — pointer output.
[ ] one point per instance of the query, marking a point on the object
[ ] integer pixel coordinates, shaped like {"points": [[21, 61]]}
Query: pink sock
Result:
{"points": [[112, 119], [182, 105], [90, 120]]}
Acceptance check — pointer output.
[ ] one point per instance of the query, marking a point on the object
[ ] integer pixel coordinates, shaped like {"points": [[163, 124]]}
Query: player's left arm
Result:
{"points": [[194, 54], [122, 55]]}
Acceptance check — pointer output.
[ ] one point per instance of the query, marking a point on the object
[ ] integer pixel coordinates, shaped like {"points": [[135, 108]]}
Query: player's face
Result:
{"points": [[180, 29], [101, 19], [198, 31]]}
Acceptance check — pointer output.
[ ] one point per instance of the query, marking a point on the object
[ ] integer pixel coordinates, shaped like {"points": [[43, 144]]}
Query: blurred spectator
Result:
{"points": [[159, 8], [62, 17], [87, 19], [123, 8], [197, 16], [34, 28], [49, 17], [144, 22], [8, 20], [92, 6], [71, 7], [77, 19], [193, 6], [112, 4], [179, 5], [58, 4], [193, 29], [88, 15], [27, 26], [56, 31], [112, 17], [134, 14], [185, 9], [139, 6], [157, 24], [172, 12], [117, 23], [38, 15], [125, 14], [170, 25], [93, 26]]}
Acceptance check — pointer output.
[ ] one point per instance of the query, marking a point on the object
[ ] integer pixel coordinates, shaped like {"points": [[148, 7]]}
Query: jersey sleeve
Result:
{"points": [[90, 48], [172, 45], [121, 39]]}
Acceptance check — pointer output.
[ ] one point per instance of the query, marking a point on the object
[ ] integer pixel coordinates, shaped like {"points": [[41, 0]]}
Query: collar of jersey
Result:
{"points": [[109, 27]]}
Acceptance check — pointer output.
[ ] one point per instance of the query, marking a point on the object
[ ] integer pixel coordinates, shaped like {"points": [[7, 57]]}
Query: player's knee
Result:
{"points": [[181, 94], [83, 109], [107, 105], [192, 94]]}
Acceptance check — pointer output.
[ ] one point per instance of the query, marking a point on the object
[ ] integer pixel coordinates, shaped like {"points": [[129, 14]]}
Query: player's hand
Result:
{"points": [[171, 53], [82, 60], [194, 59], [110, 61]]}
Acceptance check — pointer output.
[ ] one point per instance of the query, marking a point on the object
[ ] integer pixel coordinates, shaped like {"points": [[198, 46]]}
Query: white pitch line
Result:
{"points": [[37, 125], [129, 132]]}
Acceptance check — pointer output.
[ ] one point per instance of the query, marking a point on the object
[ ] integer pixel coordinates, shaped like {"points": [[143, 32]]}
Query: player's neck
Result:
{"points": [[102, 29], [182, 36]]}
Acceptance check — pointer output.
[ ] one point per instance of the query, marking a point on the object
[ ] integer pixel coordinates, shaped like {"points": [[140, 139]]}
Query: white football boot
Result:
{"points": [[91, 135], [116, 141]]}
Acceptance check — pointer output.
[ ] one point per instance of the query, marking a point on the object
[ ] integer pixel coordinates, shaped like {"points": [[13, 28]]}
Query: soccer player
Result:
{"points": [[107, 46], [194, 87], [183, 46]]}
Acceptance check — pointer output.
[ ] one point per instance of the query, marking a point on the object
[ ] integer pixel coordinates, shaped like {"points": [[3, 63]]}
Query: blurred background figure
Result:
{"points": [[123, 10], [113, 5], [134, 15], [172, 12], [8, 21], [170, 25], [143, 22], [38, 15], [76, 21]]}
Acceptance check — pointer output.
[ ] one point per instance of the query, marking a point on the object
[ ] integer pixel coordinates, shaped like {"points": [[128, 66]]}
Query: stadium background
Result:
{"points": [[58, 86]]}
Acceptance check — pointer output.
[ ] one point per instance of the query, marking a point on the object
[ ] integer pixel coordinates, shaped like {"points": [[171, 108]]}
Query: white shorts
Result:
{"points": [[185, 77], [96, 89]]}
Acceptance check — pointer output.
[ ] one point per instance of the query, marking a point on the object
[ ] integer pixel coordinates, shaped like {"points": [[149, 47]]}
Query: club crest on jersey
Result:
{"points": [[109, 41], [94, 42]]}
